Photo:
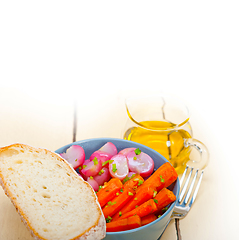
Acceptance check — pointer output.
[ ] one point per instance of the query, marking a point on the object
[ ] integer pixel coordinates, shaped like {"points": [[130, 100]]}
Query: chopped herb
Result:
{"points": [[126, 179], [111, 203], [108, 161], [108, 219], [76, 160], [140, 182], [137, 151], [114, 169], [135, 187], [164, 209], [130, 194], [136, 206], [101, 172], [91, 177], [117, 194], [84, 166], [95, 160], [136, 198], [135, 158], [161, 178], [120, 214], [121, 190], [155, 193], [80, 167], [156, 201], [159, 216], [100, 187]]}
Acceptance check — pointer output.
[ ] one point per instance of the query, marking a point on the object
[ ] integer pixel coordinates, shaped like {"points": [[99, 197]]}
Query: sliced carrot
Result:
{"points": [[163, 199], [163, 177], [108, 192], [118, 202], [148, 219], [134, 182], [124, 224], [142, 210], [140, 197]]}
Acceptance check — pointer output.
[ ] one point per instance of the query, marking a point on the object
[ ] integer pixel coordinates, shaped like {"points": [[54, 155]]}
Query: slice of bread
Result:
{"points": [[53, 201]]}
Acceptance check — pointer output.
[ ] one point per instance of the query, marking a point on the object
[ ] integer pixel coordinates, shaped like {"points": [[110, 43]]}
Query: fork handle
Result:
{"points": [[203, 151], [179, 237]]}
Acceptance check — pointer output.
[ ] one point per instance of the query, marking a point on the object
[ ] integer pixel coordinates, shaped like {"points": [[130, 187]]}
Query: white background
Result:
{"points": [[99, 52]]}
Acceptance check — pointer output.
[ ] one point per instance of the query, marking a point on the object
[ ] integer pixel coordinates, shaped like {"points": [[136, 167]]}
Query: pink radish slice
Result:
{"points": [[83, 166], [141, 163], [93, 184], [75, 155], [101, 156], [109, 148], [91, 168], [119, 167], [103, 176], [125, 151]]}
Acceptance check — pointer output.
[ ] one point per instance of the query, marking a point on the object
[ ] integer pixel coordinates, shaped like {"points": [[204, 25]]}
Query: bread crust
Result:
{"points": [[97, 231]]}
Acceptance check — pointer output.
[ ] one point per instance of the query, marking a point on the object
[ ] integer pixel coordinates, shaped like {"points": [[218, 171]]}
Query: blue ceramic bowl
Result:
{"points": [[152, 230]]}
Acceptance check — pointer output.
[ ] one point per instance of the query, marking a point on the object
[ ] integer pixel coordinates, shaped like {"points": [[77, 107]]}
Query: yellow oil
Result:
{"points": [[162, 137]]}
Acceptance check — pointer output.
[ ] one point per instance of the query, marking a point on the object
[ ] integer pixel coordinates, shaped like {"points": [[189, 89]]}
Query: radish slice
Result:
{"points": [[91, 168], [109, 148], [103, 176], [93, 183], [101, 156], [125, 151], [119, 167], [74, 155], [141, 163]]}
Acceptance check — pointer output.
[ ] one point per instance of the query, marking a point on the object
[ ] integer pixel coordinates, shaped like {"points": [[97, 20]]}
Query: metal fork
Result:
{"points": [[183, 205]]}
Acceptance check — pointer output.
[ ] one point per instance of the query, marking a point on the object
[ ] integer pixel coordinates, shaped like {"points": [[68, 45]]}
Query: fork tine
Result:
{"points": [[185, 186], [196, 190], [183, 176], [191, 188]]}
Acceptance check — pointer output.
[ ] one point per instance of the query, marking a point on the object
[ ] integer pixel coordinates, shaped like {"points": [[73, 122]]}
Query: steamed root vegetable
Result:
{"points": [[144, 209], [124, 224], [125, 151], [101, 156], [163, 177], [109, 190], [134, 181], [109, 148], [118, 167], [103, 176], [94, 184], [118, 202], [140, 162], [139, 198], [91, 168], [75, 155], [163, 199], [148, 219]]}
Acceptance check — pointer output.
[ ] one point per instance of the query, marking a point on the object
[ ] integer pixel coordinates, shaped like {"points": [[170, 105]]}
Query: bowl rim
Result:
{"points": [[108, 139]]}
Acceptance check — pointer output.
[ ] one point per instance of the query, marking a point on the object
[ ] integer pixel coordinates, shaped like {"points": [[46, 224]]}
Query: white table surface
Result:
{"points": [[96, 55]]}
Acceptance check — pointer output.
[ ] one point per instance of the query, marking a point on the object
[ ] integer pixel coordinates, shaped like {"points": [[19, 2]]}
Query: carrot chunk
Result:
{"points": [[124, 224], [148, 219], [142, 210], [140, 197], [108, 192], [134, 182], [118, 202], [163, 177], [163, 198]]}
